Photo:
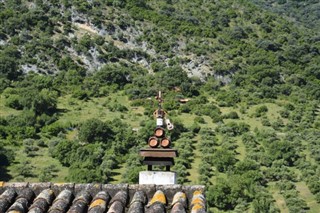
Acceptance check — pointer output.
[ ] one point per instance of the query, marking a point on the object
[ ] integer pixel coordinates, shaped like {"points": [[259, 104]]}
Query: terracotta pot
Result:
{"points": [[159, 132], [165, 143], [153, 142]]}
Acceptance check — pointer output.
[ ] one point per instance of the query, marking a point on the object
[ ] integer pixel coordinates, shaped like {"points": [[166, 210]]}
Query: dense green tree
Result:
{"points": [[173, 77], [47, 173], [6, 158], [25, 169], [263, 202], [45, 102], [225, 194], [38, 100], [9, 68], [81, 174], [108, 164], [242, 59], [223, 160], [111, 74], [262, 110], [233, 128], [133, 167], [9, 58], [62, 151], [94, 130]]}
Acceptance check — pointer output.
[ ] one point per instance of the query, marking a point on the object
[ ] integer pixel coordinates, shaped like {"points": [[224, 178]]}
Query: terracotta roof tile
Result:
{"points": [[179, 203], [22, 202], [58, 187], [99, 203], [7, 198], [42, 202], [37, 188], [157, 203], [148, 189], [92, 188], [62, 202], [118, 202], [81, 202], [198, 202], [100, 198], [156, 208], [178, 208], [137, 203]]}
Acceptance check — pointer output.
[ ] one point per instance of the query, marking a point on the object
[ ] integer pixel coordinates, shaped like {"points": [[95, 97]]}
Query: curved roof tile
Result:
{"points": [[100, 198], [25, 197], [42, 202], [81, 202], [179, 203], [138, 201], [99, 203], [62, 202], [6, 199]]}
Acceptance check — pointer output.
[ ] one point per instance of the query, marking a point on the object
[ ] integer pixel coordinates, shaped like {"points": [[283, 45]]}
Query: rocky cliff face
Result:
{"points": [[204, 38], [92, 35]]}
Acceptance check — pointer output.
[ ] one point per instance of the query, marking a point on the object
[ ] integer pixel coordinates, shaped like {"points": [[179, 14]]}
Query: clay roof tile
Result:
{"points": [[100, 198], [99, 203], [138, 202], [6, 199]]}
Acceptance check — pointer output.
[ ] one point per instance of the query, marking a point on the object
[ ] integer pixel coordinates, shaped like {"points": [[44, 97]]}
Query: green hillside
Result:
{"points": [[78, 81], [305, 13]]}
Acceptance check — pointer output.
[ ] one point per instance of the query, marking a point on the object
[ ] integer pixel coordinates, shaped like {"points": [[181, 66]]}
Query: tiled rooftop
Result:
{"points": [[99, 198]]}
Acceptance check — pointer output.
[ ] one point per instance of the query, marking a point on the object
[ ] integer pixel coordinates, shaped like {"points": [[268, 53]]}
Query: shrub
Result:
{"points": [[265, 121], [14, 101], [53, 129], [94, 130], [261, 110], [231, 115], [199, 120]]}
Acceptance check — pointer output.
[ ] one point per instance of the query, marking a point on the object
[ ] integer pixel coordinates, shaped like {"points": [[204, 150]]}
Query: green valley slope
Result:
{"points": [[78, 80]]}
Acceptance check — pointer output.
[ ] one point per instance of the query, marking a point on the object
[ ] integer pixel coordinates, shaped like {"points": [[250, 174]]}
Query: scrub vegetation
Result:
{"points": [[241, 85]]}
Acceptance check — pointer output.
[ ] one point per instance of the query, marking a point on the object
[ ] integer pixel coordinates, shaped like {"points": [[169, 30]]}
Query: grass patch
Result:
{"points": [[280, 201], [194, 173], [241, 149], [76, 111], [6, 111], [306, 195], [41, 160], [118, 174]]}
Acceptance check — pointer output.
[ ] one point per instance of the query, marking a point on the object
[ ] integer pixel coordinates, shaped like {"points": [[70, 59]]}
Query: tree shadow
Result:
{"points": [[4, 176], [112, 175], [4, 162], [32, 155], [60, 112]]}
